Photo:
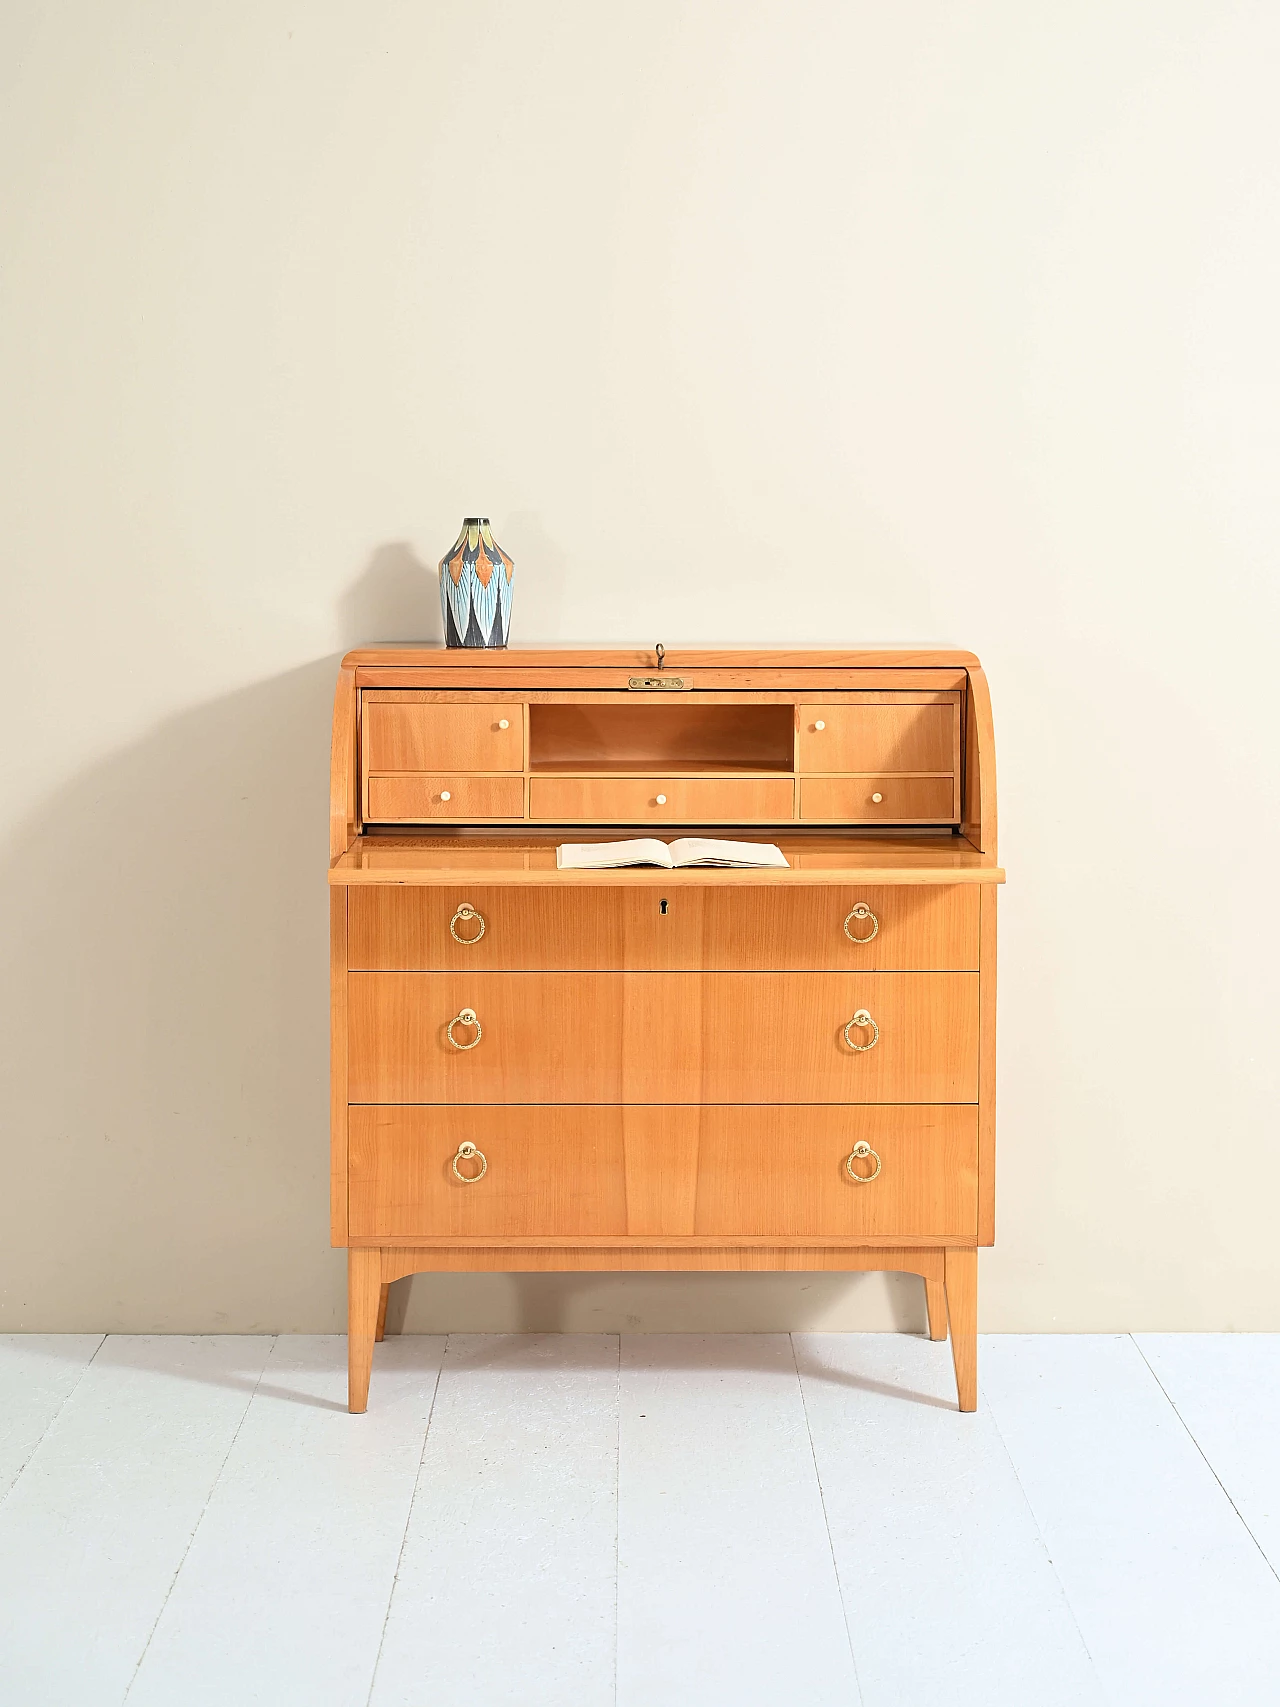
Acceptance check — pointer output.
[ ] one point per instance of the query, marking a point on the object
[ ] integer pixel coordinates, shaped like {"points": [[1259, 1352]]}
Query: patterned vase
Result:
{"points": [[475, 588]]}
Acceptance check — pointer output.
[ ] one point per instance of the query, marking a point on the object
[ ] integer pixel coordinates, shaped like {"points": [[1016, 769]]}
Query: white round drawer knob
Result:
{"points": [[503, 724], [445, 795], [819, 724], [662, 800], [876, 797]]}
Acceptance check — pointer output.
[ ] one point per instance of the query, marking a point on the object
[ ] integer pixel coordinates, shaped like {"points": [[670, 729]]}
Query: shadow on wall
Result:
{"points": [[165, 1030], [165, 1015]]}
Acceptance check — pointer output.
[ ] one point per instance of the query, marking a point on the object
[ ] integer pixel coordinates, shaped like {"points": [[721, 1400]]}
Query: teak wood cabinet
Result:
{"points": [[535, 1069]]}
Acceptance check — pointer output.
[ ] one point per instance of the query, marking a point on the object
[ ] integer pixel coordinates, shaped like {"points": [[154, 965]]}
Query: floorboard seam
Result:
{"points": [[195, 1528], [44, 1432], [617, 1511], [1208, 1465], [1044, 1542], [826, 1522], [408, 1519]]}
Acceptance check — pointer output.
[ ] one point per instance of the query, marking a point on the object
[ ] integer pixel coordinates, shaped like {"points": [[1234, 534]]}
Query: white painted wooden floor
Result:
{"points": [[577, 1520]]}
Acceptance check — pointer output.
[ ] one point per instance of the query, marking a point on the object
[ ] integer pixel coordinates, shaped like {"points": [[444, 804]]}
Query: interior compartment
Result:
{"points": [[640, 736]]}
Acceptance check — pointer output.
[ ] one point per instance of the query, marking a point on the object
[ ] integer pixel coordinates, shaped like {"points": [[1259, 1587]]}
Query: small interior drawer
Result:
{"points": [[662, 800], [878, 799], [878, 737], [432, 737], [417, 798]]}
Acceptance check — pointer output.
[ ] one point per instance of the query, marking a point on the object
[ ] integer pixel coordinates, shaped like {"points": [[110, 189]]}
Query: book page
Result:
{"points": [[603, 856], [706, 850]]}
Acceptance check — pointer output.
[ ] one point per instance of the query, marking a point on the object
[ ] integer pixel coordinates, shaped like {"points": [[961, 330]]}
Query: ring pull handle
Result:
{"points": [[463, 913], [862, 911], [466, 1017], [467, 1152], [861, 1150], [862, 1019]]}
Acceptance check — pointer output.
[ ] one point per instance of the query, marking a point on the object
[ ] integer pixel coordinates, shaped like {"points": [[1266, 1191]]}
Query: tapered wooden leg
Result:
{"points": [[935, 1299], [364, 1288], [382, 1312], [961, 1269]]}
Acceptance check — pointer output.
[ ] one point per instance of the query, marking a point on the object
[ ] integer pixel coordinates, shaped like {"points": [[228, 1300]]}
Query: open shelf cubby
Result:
{"points": [[644, 737]]}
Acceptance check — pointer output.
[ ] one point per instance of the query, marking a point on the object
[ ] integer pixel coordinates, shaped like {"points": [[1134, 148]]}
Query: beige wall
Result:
{"points": [[744, 321]]}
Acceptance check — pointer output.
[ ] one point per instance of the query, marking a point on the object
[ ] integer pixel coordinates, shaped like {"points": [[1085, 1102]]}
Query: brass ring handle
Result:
{"points": [[859, 1152], [863, 1019], [464, 912], [862, 911], [467, 1152], [466, 1017]]}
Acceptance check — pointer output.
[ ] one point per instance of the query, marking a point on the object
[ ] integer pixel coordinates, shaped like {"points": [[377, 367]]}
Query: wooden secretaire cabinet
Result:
{"points": [[651, 1069]]}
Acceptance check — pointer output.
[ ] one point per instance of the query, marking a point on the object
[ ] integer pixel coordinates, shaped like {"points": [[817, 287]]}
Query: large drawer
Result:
{"points": [[746, 1170], [662, 800], [923, 927], [662, 1037]]}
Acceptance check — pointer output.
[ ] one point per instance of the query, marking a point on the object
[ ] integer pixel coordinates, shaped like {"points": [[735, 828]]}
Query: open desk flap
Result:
{"points": [[921, 858]]}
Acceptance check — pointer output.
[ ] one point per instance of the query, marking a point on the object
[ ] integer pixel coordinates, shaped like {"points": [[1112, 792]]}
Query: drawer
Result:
{"points": [[924, 927], [400, 737], [878, 738], [868, 799], [745, 1170], [547, 1171], [662, 1037], [662, 800], [403, 799], [783, 1170]]}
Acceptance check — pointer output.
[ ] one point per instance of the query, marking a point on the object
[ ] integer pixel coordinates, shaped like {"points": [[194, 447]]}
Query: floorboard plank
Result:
{"points": [[98, 1523], [1226, 1389], [38, 1373], [948, 1587], [726, 1587], [296, 1552], [1175, 1601], [506, 1587]]}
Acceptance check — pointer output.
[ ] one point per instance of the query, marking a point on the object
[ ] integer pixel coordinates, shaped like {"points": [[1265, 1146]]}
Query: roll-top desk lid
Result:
{"points": [[865, 765]]}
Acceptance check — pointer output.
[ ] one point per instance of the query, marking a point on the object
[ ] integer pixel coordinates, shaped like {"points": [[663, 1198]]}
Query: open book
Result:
{"points": [[647, 850]]}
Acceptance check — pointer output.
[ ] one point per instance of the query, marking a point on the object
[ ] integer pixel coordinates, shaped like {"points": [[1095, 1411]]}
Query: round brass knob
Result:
{"points": [[445, 795], [861, 911], [862, 1019], [819, 724], [876, 797], [467, 1016], [860, 1151], [503, 724], [467, 1152], [661, 800], [463, 912]]}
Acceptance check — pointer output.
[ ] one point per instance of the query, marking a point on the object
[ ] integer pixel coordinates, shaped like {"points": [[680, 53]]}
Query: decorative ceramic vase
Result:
{"points": [[475, 588]]}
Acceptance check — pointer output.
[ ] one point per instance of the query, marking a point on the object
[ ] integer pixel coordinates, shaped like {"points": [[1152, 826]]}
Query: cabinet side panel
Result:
{"points": [[987, 1069], [979, 766], [338, 1066], [344, 819]]}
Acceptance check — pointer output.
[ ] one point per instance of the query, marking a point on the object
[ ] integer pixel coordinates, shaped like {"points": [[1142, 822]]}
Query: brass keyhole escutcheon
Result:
{"points": [[662, 906]]}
